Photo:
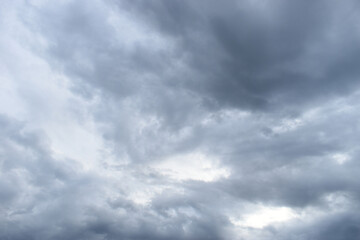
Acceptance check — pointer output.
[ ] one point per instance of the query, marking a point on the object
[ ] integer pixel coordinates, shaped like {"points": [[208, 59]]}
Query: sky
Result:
{"points": [[179, 119]]}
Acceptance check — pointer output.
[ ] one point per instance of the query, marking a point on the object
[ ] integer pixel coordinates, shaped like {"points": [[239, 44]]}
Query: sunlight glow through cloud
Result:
{"points": [[265, 216], [192, 166]]}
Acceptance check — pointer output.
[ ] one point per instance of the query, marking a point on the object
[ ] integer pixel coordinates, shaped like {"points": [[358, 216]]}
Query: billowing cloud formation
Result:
{"points": [[178, 119]]}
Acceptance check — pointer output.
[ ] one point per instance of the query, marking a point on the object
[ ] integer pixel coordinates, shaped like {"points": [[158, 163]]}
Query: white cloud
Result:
{"points": [[192, 166], [264, 216]]}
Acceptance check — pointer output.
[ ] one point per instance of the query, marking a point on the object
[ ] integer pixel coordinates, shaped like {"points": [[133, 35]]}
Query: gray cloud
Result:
{"points": [[45, 198], [179, 120], [259, 55]]}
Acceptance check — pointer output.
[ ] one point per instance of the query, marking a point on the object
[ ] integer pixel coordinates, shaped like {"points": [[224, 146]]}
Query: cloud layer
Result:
{"points": [[175, 119]]}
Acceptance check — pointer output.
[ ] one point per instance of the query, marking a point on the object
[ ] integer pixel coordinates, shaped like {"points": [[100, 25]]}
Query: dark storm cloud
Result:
{"points": [[242, 54], [260, 54], [335, 227], [294, 167], [267, 88]]}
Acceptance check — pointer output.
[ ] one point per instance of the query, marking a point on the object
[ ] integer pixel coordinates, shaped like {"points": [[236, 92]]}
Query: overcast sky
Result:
{"points": [[179, 120]]}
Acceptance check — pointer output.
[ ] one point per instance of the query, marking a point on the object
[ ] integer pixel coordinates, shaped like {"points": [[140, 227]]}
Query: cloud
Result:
{"points": [[179, 120]]}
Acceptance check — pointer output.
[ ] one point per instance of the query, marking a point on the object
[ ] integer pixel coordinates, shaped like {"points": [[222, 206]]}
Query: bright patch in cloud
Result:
{"points": [[265, 216], [341, 158], [192, 166]]}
